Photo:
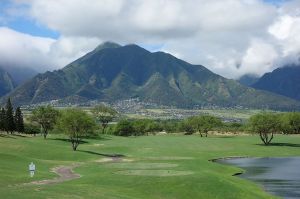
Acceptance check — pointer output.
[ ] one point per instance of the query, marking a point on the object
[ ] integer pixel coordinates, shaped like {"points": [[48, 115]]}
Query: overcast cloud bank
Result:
{"points": [[230, 37]]}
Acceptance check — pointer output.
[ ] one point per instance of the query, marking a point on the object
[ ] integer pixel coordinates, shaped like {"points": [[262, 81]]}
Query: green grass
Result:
{"points": [[172, 166]]}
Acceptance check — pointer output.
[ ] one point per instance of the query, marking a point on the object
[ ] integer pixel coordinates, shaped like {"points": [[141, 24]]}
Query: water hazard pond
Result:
{"points": [[278, 176]]}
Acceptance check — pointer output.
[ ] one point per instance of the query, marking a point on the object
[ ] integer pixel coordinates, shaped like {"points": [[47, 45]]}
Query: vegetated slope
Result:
{"points": [[6, 82], [21, 74], [248, 79], [113, 72], [284, 81]]}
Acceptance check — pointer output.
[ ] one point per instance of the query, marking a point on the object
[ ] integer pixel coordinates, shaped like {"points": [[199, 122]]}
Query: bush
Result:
{"points": [[110, 130], [145, 126], [290, 123], [171, 126], [124, 128], [31, 129]]}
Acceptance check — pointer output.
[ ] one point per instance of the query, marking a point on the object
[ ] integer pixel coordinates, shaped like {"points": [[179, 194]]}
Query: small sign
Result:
{"points": [[31, 169]]}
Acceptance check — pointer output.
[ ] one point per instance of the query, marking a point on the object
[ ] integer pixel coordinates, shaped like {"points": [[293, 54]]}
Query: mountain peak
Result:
{"points": [[107, 44]]}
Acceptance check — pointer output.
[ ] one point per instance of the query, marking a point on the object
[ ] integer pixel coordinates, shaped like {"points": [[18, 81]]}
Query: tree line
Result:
{"points": [[11, 121], [78, 124], [265, 124]]}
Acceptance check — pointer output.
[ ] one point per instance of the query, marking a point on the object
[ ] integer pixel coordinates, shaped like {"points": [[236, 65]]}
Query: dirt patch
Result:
{"points": [[65, 173], [160, 173]]}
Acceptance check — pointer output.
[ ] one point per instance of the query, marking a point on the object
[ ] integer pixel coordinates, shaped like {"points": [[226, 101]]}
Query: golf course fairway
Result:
{"points": [[168, 166]]}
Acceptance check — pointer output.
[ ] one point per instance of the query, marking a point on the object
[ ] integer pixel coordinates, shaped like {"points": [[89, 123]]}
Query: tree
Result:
{"points": [[76, 124], [290, 122], [30, 128], [9, 117], [170, 126], [265, 124], [204, 123], [144, 126], [124, 128], [187, 127], [19, 122], [45, 116], [104, 114], [2, 119]]}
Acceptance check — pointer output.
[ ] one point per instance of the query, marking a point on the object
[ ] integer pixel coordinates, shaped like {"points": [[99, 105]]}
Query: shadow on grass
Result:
{"points": [[20, 135], [6, 136], [103, 154], [67, 140], [281, 144]]}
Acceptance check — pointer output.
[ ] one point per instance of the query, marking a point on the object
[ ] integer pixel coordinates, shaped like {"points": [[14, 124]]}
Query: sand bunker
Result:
{"points": [[113, 159], [161, 173], [169, 158], [98, 145]]}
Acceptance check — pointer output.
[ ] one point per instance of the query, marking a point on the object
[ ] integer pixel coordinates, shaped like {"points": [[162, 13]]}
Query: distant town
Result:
{"points": [[135, 108]]}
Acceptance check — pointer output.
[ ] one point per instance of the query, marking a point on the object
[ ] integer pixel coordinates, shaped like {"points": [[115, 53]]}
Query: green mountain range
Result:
{"points": [[284, 81], [6, 82], [112, 72]]}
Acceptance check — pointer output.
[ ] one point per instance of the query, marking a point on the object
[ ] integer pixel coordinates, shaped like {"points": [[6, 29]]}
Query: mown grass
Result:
{"points": [[151, 158]]}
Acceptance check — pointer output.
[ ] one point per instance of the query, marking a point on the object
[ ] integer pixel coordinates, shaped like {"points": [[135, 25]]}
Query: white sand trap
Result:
{"points": [[98, 145], [113, 159], [142, 165], [161, 173], [169, 158]]}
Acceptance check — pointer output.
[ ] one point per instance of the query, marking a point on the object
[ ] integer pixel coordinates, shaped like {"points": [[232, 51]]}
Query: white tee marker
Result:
{"points": [[31, 169]]}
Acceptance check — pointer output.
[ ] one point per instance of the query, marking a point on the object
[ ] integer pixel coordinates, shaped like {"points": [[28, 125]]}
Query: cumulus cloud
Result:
{"points": [[23, 50], [287, 32], [17, 49], [66, 49], [258, 54], [230, 37]]}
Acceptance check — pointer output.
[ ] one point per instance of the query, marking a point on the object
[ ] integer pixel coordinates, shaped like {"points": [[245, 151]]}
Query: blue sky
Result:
{"points": [[21, 23]]}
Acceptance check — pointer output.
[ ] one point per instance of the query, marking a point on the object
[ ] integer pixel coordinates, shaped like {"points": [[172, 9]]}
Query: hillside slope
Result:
{"points": [[284, 81], [6, 82]]}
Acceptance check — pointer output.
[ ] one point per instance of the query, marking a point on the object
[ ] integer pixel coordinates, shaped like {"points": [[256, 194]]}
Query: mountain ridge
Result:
{"points": [[115, 72], [284, 81], [7, 84]]}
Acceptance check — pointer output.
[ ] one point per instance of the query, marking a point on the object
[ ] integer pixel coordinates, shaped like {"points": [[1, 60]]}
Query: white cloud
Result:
{"points": [[23, 50], [230, 37], [67, 49], [17, 49], [257, 55], [287, 32]]}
